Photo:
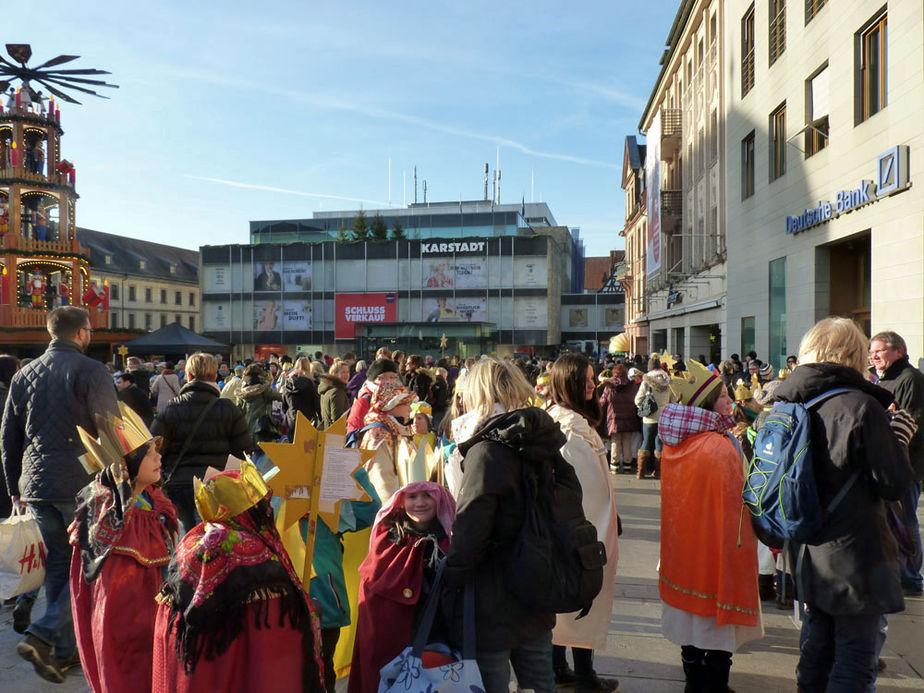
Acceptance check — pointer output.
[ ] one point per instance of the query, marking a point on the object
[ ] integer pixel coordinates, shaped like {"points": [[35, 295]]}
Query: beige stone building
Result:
{"points": [[150, 284], [824, 104], [632, 278], [684, 283]]}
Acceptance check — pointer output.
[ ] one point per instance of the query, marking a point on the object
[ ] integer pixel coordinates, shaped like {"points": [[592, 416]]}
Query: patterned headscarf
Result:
{"points": [[445, 504]]}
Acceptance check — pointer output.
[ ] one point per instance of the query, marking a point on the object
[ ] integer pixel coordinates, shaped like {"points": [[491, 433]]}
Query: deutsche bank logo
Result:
{"points": [[892, 171]]}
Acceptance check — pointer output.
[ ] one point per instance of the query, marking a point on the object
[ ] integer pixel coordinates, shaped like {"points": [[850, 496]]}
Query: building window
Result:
{"points": [[192, 298], [131, 321], [813, 7], [109, 259], [777, 38], [873, 68], [778, 312], [192, 323], [163, 295], [114, 292], [714, 137], [178, 318], [148, 321], [131, 292], [816, 103], [778, 142], [747, 51], [147, 295], [178, 299], [163, 320], [113, 320], [142, 264], [747, 334], [747, 166]]}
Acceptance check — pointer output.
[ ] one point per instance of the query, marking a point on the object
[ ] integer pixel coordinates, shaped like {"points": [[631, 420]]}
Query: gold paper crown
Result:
{"points": [[118, 436], [742, 391], [422, 464], [783, 374], [421, 407], [695, 386], [543, 379], [222, 497]]}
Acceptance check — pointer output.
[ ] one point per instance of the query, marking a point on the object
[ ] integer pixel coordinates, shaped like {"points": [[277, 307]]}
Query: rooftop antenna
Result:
{"points": [[425, 190], [498, 185], [485, 181], [415, 185]]}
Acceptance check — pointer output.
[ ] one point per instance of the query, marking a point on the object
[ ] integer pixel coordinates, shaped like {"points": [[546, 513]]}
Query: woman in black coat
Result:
{"points": [[849, 575], [301, 395]]}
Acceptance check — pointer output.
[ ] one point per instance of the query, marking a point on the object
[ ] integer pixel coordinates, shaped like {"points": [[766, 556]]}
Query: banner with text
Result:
{"points": [[455, 309], [351, 309], [653, 196], [463, 273]]}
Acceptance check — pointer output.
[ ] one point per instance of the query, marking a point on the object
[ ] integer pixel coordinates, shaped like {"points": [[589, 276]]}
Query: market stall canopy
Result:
{"points": [[173, 339], [619, 343]]}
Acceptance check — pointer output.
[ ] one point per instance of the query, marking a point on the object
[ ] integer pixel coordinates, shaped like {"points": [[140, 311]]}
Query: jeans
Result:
{"points": [[880, 643], [651, 441], [911, 567], [56, 626], [621, 448], [532, 662], [181, 495], [837, 652]]}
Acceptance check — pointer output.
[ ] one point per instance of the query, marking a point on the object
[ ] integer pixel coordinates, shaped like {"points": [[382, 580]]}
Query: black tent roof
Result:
{"points": [[173, 339]]}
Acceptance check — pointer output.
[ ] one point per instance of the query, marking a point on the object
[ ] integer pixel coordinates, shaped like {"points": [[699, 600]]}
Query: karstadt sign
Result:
{"points": [[892, 177], [456, 247]]}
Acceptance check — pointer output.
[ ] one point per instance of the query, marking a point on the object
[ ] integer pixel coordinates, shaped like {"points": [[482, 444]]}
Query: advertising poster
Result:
{"points": [[296, 315], [577, 317], [353, 309], [530, 313], [218, 316], [267, 277], [218, 278], [612, 317], [296, 276], [463, 273], [266, 315], [529, 272], [455, 309], [653, 194]]}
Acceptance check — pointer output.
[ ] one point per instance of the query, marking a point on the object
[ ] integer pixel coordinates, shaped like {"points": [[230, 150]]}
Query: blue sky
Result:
{"points": [[232, 111]]}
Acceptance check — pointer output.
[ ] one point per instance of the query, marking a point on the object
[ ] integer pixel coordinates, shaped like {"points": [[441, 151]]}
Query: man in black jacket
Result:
{"points": [[889, 356], [48, 399], [133, 396]]}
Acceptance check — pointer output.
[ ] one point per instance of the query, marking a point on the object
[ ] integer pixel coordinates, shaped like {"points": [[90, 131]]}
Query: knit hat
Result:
{"points": [[380, 366], [635, 373], [388, 396], [742, 391], [605, 374], [766, 394], [765, 372], [696, 385], [238, 368]]}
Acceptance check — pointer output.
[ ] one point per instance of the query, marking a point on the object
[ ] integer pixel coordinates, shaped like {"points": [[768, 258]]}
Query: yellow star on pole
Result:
{"points": [[305, 489]]}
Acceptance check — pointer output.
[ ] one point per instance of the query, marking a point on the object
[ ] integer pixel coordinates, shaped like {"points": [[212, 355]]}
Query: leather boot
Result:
{"points": [[657, 465], [644, 461], [716, 665]]}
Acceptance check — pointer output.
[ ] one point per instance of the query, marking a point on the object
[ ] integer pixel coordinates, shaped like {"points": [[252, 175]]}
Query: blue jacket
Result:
{"points": [[48, 399]]}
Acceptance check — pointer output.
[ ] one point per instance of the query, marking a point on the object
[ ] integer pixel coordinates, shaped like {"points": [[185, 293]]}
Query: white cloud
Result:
{"points": [[285, 191]]}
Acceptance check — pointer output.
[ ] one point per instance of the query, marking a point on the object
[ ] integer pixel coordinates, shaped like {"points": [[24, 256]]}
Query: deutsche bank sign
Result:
{"points": [[891, 177]]}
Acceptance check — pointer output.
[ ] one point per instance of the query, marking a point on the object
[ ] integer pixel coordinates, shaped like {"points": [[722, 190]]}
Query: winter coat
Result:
{"points": [[256, 401], [441, 396], [48, 399], [232, 388], [334, 400], [140, 403], [166, 386], [356, 383], [301, 395], [851, 567], [419, 383], [489, 517], [142, 380], [618, 401], [657, 382], [222, 432], [906, 383], [584, 451]]}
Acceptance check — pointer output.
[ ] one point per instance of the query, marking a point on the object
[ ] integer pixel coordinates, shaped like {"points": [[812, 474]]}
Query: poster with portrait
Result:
{"points": [[296, 315], [267, 276], [613, 317], [455, 309], [462, 273], [266, 315], [296, 276], [577, 317]]}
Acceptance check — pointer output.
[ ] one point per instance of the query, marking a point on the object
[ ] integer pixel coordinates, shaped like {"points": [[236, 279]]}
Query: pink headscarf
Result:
{"points": [[445, 504]]}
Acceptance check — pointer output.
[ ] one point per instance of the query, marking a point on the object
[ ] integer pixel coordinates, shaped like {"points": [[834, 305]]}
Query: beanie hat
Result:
{"points": [[380, 366], [765, 371]]}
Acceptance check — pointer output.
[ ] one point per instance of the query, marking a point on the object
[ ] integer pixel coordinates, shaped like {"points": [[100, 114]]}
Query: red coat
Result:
{"points": [[618, 401], [114, 614], [391, 578]]}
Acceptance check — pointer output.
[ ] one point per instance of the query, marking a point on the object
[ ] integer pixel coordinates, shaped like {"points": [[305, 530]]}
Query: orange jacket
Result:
{"points": [[705, 569]]}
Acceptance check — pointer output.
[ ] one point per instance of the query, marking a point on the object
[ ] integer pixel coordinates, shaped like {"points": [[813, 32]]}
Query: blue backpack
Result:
{"points": [[780, 490]]}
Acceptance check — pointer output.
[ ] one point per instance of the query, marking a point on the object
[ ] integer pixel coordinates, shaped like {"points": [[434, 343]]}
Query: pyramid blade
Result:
{"points": [[60, 94], [20, 52], [57, 61]]}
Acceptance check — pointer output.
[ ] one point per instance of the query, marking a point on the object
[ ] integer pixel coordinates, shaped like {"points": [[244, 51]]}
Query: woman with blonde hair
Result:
{"points": [[574, 406], [505, 445], [300, 394], [850, 574]]}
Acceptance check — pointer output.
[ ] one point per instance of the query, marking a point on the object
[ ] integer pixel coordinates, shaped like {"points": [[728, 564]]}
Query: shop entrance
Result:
{"points": [[850, 279], [425, 338]]}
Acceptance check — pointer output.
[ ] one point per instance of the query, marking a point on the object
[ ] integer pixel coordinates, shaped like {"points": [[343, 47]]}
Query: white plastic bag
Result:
{"points": [[22, 554]]}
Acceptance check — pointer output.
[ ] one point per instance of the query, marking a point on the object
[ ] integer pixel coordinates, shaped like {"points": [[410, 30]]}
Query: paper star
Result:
{"points": [[297, 476]]}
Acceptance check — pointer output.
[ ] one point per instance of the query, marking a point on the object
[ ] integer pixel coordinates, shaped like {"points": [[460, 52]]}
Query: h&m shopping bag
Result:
{"points": [[406, 673], [22, 554]]}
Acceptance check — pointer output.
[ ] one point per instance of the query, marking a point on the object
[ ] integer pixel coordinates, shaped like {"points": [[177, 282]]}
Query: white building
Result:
{"points": [[824, 122]]}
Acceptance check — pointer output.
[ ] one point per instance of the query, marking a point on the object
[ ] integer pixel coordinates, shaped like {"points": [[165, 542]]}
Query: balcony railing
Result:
{"points": [[747, 73], [671, 132], [18, 316], [671, 206]]}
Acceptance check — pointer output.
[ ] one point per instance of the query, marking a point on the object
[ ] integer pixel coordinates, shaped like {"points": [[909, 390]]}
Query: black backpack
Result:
{"points": [[556, 562]]}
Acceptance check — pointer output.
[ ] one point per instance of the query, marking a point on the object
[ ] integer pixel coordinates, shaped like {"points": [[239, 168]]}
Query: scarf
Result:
{"points": [[221, 568], [678, 422]]}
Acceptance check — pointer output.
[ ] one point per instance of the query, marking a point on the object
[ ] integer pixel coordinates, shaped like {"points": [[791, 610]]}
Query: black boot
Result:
{"points": [[765, 585], [22, 614], [694, 670], [716, 665]]}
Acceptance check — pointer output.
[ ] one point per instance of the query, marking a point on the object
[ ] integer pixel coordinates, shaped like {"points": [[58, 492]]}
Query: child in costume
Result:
{"points": [[232, 615], [388, 420], [410, 536], [423, 418], [123, 534]]}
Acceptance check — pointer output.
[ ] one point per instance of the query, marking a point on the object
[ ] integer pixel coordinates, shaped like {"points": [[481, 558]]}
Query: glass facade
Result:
{"points": [[777, 355]]}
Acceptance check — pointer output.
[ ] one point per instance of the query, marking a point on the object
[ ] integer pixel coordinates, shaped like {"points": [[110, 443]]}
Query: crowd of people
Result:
{"points": [[150, 550]]}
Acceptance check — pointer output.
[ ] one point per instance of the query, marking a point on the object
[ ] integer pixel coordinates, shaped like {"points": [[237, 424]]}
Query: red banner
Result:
{"points": [[354, 309]]}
